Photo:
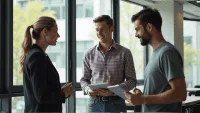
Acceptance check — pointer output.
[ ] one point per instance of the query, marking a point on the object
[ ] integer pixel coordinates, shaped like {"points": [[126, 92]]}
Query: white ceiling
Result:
{"points": [[190, 11]]}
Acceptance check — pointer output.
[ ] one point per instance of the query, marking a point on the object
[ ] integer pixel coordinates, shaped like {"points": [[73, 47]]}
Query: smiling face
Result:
{"points": [[104, 31], [52, 35], [142, 33]]}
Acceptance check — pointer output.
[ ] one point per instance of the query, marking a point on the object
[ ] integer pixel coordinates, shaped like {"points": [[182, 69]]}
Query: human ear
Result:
{"points": [[112, 28], [149, 27], [44, 32]]}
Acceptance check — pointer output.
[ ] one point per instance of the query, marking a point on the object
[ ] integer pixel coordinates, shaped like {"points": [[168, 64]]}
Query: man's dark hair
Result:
{"points": [[148, 15], [102, 18]]}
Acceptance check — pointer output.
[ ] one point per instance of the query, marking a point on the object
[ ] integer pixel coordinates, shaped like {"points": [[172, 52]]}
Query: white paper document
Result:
{"points": [[97, 86], [117, 90]]}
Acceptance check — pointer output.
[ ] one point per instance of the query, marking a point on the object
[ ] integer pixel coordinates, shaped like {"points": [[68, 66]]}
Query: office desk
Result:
{"points": [[192, 90], [191, 100], [188, 104]]}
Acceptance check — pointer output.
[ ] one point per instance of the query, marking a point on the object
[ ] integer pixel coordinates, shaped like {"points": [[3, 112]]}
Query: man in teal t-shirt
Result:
{"points": [[164, 85]]}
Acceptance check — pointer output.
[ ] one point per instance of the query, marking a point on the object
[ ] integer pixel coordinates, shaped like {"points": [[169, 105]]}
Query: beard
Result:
{"points": [[145, 39]]}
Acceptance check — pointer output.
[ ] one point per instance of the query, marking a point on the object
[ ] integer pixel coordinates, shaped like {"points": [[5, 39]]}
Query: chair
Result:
{"points": [[197, 86], [193, 93], [197, 93], [196, 108]]}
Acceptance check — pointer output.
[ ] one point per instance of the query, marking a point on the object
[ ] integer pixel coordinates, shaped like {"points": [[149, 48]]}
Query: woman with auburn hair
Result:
{"points": [[42, 90]]}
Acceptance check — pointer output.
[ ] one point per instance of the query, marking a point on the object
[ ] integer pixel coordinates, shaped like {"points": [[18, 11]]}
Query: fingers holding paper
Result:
{"points": [[93, 93], [135, 90], [136, 98], [105, 92], [99, 92]]}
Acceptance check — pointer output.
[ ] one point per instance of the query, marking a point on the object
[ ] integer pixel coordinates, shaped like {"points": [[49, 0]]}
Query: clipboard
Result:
{"points": [[97, 86]]}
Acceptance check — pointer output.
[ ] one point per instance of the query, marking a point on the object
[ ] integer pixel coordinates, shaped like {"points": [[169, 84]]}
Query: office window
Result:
{"points": [[88, 10], [18, 105], [23, 17], [81, 47], [188, 39], [57, 11], [127, 36], [85, 31], [191, 52], [63, 12], [81, 102], [79, 10], [85, 8], [86, 38]]}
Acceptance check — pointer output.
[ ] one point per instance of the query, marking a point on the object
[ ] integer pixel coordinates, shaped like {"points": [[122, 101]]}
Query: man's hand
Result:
{"points": [[136, 98], [136, 90], [67, 89], [93, 93], [104, 92]]}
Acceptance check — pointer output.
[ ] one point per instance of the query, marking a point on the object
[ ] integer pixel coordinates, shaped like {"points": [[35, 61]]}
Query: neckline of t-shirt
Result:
{"points": [[164, 43]]}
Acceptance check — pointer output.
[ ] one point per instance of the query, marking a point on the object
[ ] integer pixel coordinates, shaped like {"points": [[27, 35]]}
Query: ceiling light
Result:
{"points": [[198, 1]]}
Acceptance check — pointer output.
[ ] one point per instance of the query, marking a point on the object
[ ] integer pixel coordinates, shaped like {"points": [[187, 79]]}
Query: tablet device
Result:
{"points": [[97, 86], [116, 89]]}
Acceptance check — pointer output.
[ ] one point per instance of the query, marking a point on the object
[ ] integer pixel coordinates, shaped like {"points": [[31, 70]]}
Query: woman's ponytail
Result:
{"points": [[26, 45]]}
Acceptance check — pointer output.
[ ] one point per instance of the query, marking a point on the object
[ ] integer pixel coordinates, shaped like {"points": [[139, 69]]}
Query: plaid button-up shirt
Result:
{"points": [[116, 66]]}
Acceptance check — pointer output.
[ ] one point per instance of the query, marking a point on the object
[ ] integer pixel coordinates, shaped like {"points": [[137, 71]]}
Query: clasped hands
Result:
{"points": [[67, 89]]}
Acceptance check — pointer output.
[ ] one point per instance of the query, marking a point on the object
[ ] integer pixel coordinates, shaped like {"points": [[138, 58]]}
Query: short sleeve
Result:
{"points": [[171, 64]]}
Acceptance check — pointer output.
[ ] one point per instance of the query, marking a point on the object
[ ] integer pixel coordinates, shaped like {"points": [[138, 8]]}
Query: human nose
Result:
{"points": [[99, 32], [136, 34], [58, 35]]}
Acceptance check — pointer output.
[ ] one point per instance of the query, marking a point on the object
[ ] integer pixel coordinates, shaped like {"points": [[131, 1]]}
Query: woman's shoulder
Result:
{"points": [[35, 53]]}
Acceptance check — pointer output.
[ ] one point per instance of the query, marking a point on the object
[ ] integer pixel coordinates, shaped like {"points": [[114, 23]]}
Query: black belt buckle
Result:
{"points": [[104, 99]]}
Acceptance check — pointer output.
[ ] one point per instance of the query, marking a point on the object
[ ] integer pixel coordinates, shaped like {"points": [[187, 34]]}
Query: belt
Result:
{"points": [[107, 98]]}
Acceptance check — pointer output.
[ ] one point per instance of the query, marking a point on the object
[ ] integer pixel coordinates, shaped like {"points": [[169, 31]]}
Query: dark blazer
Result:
{"points": [[42, 90]]}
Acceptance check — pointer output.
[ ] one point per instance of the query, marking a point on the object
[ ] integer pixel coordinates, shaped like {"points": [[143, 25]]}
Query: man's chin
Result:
{"points": [[143, 43], [102, 41]]}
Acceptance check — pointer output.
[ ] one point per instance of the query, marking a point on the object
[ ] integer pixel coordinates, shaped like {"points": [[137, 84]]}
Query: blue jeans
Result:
{"points": [[94, 105]]}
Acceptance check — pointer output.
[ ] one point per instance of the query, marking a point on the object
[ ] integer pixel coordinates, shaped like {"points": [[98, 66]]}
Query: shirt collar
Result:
{"points": [[114, 45], [36, 46]]}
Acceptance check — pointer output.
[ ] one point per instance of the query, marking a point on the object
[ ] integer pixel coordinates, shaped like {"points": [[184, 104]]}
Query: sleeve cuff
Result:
{"points": [[87, 89], [62, 97]]}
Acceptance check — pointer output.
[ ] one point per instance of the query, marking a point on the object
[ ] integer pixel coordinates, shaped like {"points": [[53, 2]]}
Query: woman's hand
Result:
{"points": [[67, 89]]}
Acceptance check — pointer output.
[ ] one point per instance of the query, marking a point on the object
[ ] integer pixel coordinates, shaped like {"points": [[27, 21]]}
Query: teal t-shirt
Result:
{"points": [[165, 64]]}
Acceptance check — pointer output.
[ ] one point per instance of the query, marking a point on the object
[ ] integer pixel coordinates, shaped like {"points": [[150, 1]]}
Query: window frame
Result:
{"points": [[145, 48], [7, 89]]}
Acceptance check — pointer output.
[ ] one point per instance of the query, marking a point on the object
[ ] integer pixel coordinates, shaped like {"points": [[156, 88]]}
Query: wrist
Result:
{"points": [[143, 99], [87, 90]]}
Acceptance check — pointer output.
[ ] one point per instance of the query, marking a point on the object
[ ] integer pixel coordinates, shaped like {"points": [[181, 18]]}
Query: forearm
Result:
{"points": [[129, 84], [129, 72], [167, 97], [62, 96], [84, 84]]}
